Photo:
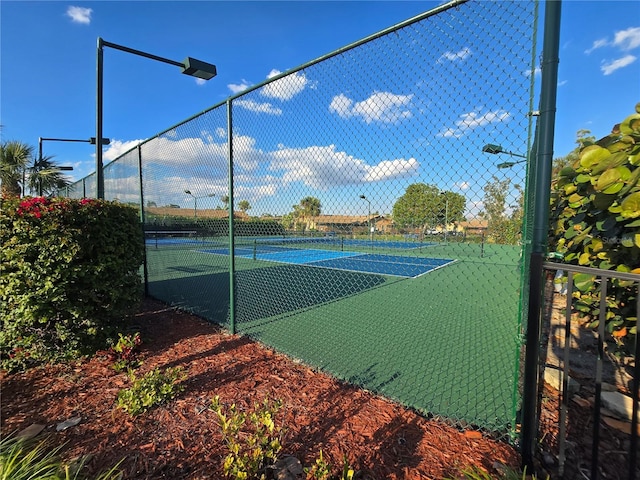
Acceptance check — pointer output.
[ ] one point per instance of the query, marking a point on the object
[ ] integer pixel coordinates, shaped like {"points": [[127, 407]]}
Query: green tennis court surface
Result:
{"points": [[434, 342]]}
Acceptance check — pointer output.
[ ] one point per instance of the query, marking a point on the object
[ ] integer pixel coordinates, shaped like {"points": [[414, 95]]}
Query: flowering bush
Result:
{"points": [[69, 276]]}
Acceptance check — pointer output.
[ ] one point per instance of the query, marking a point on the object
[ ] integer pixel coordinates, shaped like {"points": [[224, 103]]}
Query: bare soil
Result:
{"points": [[181, 439]]}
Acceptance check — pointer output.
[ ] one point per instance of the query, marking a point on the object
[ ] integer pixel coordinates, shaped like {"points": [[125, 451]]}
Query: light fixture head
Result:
{"points": [[198, 68], [363, 197], [506, 164], [188, 192], [492, 148]]}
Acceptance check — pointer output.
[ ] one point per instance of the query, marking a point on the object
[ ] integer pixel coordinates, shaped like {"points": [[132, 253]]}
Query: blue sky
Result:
{"points": [[48, 64]]}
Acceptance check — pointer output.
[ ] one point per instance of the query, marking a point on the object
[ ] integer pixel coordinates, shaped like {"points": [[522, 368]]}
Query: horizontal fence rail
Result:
{"points": [[567, 285], [349, 214]]}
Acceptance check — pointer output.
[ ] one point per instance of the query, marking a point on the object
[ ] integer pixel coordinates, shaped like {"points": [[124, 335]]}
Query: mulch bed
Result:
{"points": [[181, 440]]}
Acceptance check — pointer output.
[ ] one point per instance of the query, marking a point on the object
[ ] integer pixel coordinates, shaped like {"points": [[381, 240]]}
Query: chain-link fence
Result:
{"points": [[377, 200]]}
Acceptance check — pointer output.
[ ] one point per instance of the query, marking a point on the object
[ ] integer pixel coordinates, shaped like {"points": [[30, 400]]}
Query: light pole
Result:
{"points": [[190, 66], [195, 201], [497, 149], [37, 164], [368, 217]]}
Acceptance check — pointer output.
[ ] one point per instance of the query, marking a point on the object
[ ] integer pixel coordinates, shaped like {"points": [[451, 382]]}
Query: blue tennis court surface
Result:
{"points": [[394, 265]]}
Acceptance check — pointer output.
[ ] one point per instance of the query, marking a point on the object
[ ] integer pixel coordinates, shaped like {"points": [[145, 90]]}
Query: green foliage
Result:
{"points": [[14, 158], [476, 473], [320, 470], [124, 354], [22, 459], [504, 225], [595, 221], [154, 388], [302, 214], [253, 447], [70, 276], [424, 206]]}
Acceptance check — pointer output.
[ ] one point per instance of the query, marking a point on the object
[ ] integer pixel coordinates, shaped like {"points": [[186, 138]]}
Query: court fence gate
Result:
{"points": [[376, 204]]}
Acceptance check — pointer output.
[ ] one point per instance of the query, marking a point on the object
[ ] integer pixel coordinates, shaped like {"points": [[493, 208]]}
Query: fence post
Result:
{"points": [[142, 221], [232, 261], [543, 143]]}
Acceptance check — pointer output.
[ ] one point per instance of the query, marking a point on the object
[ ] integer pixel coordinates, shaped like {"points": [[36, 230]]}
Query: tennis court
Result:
{"points": [[352, 261]]}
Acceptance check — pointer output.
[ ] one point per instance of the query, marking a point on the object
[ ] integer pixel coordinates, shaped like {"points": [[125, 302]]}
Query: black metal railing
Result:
{"points": [[565, 356]]}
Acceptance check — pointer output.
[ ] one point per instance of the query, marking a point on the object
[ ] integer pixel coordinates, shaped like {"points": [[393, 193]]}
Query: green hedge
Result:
{"points": [[595, 221], [69, 276]]}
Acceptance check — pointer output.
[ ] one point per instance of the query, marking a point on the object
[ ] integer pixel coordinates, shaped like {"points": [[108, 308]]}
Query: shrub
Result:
{"points": [[595, 221], [69, 276], [253, 448], [154, 388]]}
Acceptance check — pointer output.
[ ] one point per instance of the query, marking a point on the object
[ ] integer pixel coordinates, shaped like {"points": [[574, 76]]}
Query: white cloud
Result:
{"points": [[537, 72], [79, 14], [562, 83], [382, 107], [253, 106], [286, 87], [462, 185], [118, 147], [238, 87], [200, 81], [597, 44], [624, 41], [389, 169], [609, 67], [455, 56], [628, 39], [323, 167], [473, 120]]}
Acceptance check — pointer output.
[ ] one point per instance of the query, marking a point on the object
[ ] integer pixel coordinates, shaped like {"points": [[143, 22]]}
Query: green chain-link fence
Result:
{"points": [[378, 202]]}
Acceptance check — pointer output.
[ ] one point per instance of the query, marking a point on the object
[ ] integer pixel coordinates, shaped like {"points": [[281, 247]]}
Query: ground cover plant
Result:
{"points": [[182, 438]]}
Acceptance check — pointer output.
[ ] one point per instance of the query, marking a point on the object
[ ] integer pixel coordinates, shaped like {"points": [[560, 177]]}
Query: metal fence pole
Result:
{"points": [[542, 159], [232, 263], [142, 220]]}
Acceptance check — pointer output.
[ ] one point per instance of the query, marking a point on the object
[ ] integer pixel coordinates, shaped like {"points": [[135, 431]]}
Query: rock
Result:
{"points": [[583, 402], [288, 468], [620, 405], [72, 422], [607, 387], [31, 431], [619, 425], [553, 377]]}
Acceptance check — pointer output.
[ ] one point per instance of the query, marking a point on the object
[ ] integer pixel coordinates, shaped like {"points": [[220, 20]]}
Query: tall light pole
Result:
{"points": [[38, 163], [368, 217], [190, 66], [497, 149], [195, 201]]}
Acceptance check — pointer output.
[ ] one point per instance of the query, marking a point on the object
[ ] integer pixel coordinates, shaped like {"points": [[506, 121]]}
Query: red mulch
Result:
{"points": [[181, 440]]}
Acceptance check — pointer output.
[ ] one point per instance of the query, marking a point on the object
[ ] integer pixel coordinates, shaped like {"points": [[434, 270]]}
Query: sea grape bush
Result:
{"points": [[69, 276], [595, 222]]}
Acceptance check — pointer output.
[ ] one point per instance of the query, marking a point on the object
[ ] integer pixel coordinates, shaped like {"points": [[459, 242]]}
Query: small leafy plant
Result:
{"points": [[154, 388], [124, 352], [320, 470], [253, 439]]}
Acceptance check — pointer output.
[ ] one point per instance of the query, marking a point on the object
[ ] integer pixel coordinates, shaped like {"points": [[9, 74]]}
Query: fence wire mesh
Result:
{"points": [[377, 198]]}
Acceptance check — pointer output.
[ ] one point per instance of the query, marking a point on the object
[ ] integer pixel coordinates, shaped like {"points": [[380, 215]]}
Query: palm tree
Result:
{"points": [[14, 158], [244, 205], [46, 178], [309, 207]]}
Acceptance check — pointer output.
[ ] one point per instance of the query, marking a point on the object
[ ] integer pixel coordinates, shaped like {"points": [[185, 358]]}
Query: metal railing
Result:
{"points": [[568, 350]]}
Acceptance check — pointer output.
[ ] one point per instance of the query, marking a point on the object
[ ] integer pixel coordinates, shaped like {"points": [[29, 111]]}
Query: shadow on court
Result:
{"points": [[262, 293]]}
